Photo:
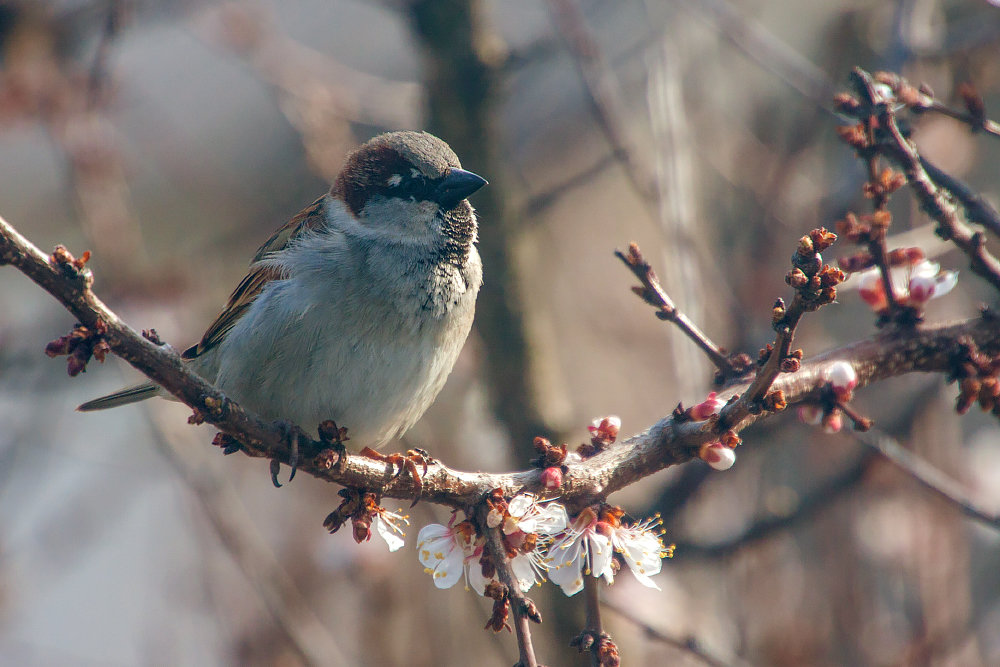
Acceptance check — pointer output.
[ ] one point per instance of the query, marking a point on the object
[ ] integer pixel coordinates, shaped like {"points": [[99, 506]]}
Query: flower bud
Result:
{"points": [[810, 414], [717, 455], [833, 422], [706, 408], [872, 290], [552, 478], [842, 376]]}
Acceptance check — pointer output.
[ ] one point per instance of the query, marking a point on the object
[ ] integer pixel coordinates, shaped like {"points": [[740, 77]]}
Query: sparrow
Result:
{"points": [[357, 308]]}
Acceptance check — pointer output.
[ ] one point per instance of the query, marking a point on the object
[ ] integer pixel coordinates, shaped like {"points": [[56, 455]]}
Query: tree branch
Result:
{"points": [[519, 604], [593, 624], [929, 476], [652, 292], [689, 644], [664, 444]]}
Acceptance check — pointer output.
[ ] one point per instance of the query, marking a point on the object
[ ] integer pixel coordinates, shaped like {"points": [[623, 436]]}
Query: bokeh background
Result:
{"points": [[171, 138]]}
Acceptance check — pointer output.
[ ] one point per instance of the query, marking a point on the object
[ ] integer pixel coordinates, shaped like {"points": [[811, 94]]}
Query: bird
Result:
{"points": [[355, 310]]}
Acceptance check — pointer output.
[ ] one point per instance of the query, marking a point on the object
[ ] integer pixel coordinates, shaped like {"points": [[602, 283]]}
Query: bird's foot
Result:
{"points": [[408, 461], [291, 434]]}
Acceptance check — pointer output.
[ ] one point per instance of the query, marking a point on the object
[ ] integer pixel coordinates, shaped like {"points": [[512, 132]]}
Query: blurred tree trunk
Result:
{"points": [[462, 81]]}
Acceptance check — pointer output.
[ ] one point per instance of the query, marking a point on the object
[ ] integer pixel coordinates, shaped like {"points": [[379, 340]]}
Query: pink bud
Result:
{"points": [[842, 376], [706, 408], [552, 478], [922, 289], [810, 414], [717, 455], [872, 290], [833, 422], [913, 255]]}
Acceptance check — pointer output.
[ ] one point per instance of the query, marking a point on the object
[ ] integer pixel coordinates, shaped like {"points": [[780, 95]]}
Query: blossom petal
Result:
{"points": [[568, 577], [643, 552], [925, 269], [566, 563], [527, 572], [392, 534], [600, 556], [440, 554], [519, 505], [474, 578], [945, 283]]}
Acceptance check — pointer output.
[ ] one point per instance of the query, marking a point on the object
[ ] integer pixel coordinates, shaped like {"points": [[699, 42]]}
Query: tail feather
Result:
{"points": [[124, 397]]}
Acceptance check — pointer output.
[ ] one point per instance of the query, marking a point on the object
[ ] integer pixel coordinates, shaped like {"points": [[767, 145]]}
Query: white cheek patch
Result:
{"points": [[414, 173], [391, 217], [394, 180]]}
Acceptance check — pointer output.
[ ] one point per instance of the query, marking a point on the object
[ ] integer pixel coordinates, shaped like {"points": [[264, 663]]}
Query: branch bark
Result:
{"points": [[666, 443]]}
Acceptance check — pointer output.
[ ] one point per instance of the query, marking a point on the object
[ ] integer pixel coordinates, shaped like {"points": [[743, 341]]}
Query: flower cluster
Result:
{"points": [[448, 552], [841, 380], [588, 546], [528, 526], [554, 461], [540, 539]]}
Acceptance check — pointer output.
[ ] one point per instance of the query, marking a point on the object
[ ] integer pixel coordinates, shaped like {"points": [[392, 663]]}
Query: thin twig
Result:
{"points": [[812, 290], [593, 625], [929, 476], [936, 204], [977, 209], [979, 125], [519, 604], [876, 245], [652, 292], [688, 644]]}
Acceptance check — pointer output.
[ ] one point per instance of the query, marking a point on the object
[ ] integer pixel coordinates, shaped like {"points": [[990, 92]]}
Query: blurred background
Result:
{"points": [[171, 139]]}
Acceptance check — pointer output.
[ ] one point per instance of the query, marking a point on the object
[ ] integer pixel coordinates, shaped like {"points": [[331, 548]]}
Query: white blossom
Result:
{"points": [[642, 549], [448, 552], [583, 549]]}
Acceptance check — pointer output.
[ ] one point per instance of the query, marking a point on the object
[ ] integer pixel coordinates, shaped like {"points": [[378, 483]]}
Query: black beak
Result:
{"points": [[456, 186]]}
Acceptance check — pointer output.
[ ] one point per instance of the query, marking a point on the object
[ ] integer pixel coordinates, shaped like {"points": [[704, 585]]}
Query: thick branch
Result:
{"points": [[663, 444]]}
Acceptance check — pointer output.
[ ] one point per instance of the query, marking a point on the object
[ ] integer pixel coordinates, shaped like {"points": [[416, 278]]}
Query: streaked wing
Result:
{"points": [[259, 276], [308, 218]]}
